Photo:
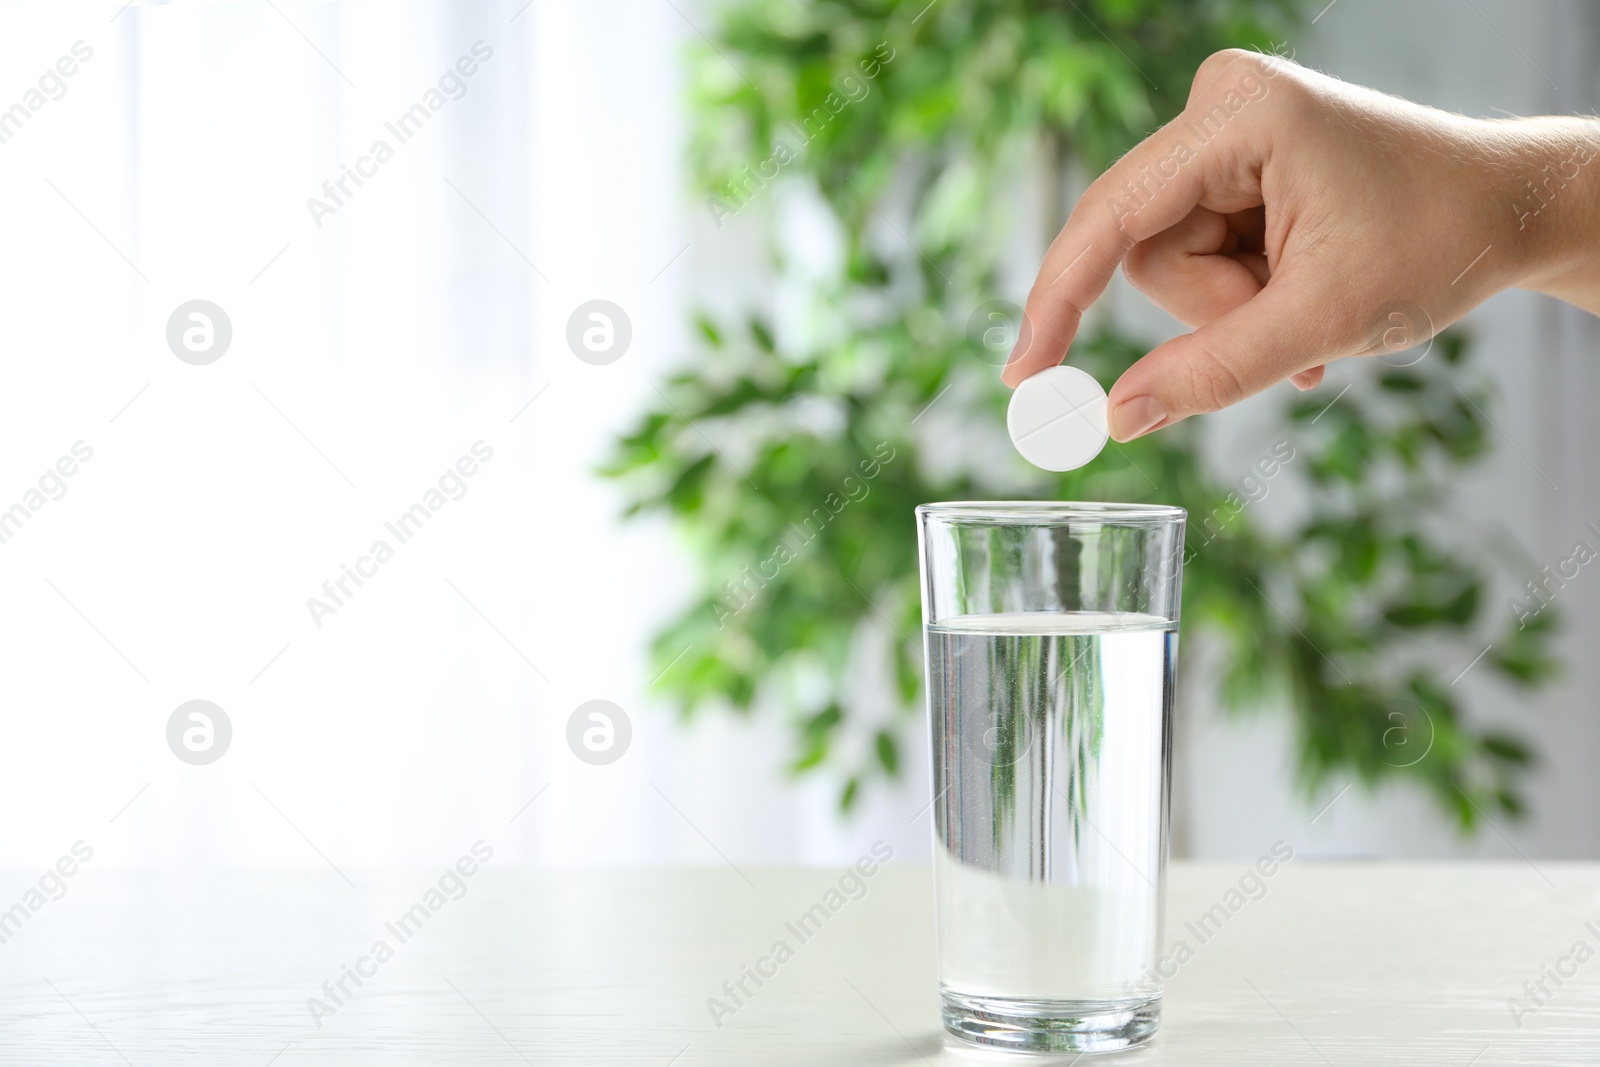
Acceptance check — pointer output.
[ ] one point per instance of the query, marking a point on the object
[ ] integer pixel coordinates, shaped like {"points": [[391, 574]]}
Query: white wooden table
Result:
{"points": [[1336, 964]]}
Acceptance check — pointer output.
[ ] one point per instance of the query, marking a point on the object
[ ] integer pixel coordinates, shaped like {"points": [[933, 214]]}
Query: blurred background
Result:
{"points": [[810, 224]]}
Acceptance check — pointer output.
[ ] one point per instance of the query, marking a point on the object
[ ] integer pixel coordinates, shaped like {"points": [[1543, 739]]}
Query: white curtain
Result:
{"points": [[393, 312]]}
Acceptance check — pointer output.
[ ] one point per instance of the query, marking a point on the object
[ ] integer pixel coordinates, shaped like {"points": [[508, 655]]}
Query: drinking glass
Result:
{"points": [[1051, 631]]}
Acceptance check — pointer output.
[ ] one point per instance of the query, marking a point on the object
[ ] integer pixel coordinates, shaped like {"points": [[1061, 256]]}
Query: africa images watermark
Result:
{"points": [[850, 886], [1250, 887], [52, 886], [1252, 490], [451, 885], [452, 85], [1136, 195], [847, 89], [1537, 991], [1540, 195], [52, 485], [402, 528], [52, 85], [740, 593], [1542, 591]]}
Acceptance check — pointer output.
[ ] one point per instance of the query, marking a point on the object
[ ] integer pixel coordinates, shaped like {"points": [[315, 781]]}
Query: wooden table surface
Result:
{"points": [[1335, 964]]}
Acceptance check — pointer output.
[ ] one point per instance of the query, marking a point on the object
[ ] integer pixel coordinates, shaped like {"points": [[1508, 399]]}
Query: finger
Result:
{"points": [[1192, 269], [1256, 264], [1153, 187], [1309, 379], [1288, 328], [1251, 226]]}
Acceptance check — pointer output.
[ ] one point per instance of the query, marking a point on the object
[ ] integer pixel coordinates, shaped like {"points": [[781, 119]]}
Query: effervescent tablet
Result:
{"points": [[1057, 418]]}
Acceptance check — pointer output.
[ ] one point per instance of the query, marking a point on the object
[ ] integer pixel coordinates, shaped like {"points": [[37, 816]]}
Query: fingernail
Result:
{"points": [[1009, 375], [1006, 373], [1136, 415], [1018, 350]]}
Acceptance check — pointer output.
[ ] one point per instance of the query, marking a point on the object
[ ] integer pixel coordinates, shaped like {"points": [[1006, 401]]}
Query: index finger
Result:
{"points": [[1153, 187]]}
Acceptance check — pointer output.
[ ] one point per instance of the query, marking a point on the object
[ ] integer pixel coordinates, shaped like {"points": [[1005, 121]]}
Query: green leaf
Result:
{"points": [[763, 335], [1507, 748], [888, 753], [1402, 381], [708, 330], [1510, 803]]}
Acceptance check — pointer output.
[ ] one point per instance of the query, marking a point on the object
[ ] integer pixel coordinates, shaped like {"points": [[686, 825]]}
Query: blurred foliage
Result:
{"points": [[791, 452]]}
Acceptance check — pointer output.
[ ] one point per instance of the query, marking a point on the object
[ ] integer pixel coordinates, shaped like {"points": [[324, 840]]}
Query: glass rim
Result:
{"points": [[1027, 512]]}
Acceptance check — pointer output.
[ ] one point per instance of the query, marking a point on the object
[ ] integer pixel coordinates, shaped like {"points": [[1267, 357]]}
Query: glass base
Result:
{"points": [[1050, 1025]]}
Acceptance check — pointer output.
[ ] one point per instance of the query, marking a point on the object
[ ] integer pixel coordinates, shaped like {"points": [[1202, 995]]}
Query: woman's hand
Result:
{"points": [[1292, 219]]}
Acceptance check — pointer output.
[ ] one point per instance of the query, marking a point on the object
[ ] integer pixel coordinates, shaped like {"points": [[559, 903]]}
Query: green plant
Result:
{"points": [[1353, 621]]}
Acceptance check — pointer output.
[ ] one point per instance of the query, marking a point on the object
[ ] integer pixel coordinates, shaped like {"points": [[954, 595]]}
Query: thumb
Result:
{"points": [[1288, 327]]}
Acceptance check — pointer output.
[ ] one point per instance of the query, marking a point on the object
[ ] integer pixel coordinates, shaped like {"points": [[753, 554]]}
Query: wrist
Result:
{"points": [[1554, 230]]}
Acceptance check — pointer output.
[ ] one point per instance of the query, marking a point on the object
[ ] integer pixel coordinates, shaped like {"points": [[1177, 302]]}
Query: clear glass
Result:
{"points": [[1051, 632]]}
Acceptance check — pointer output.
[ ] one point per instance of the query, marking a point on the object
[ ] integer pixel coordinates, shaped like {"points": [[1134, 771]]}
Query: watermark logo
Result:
{"points": [[198, 732], [1000, 742], [199, 332], [1409, 736], [598, 332], [1400, 334], [599, 732], [994, 328]]}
